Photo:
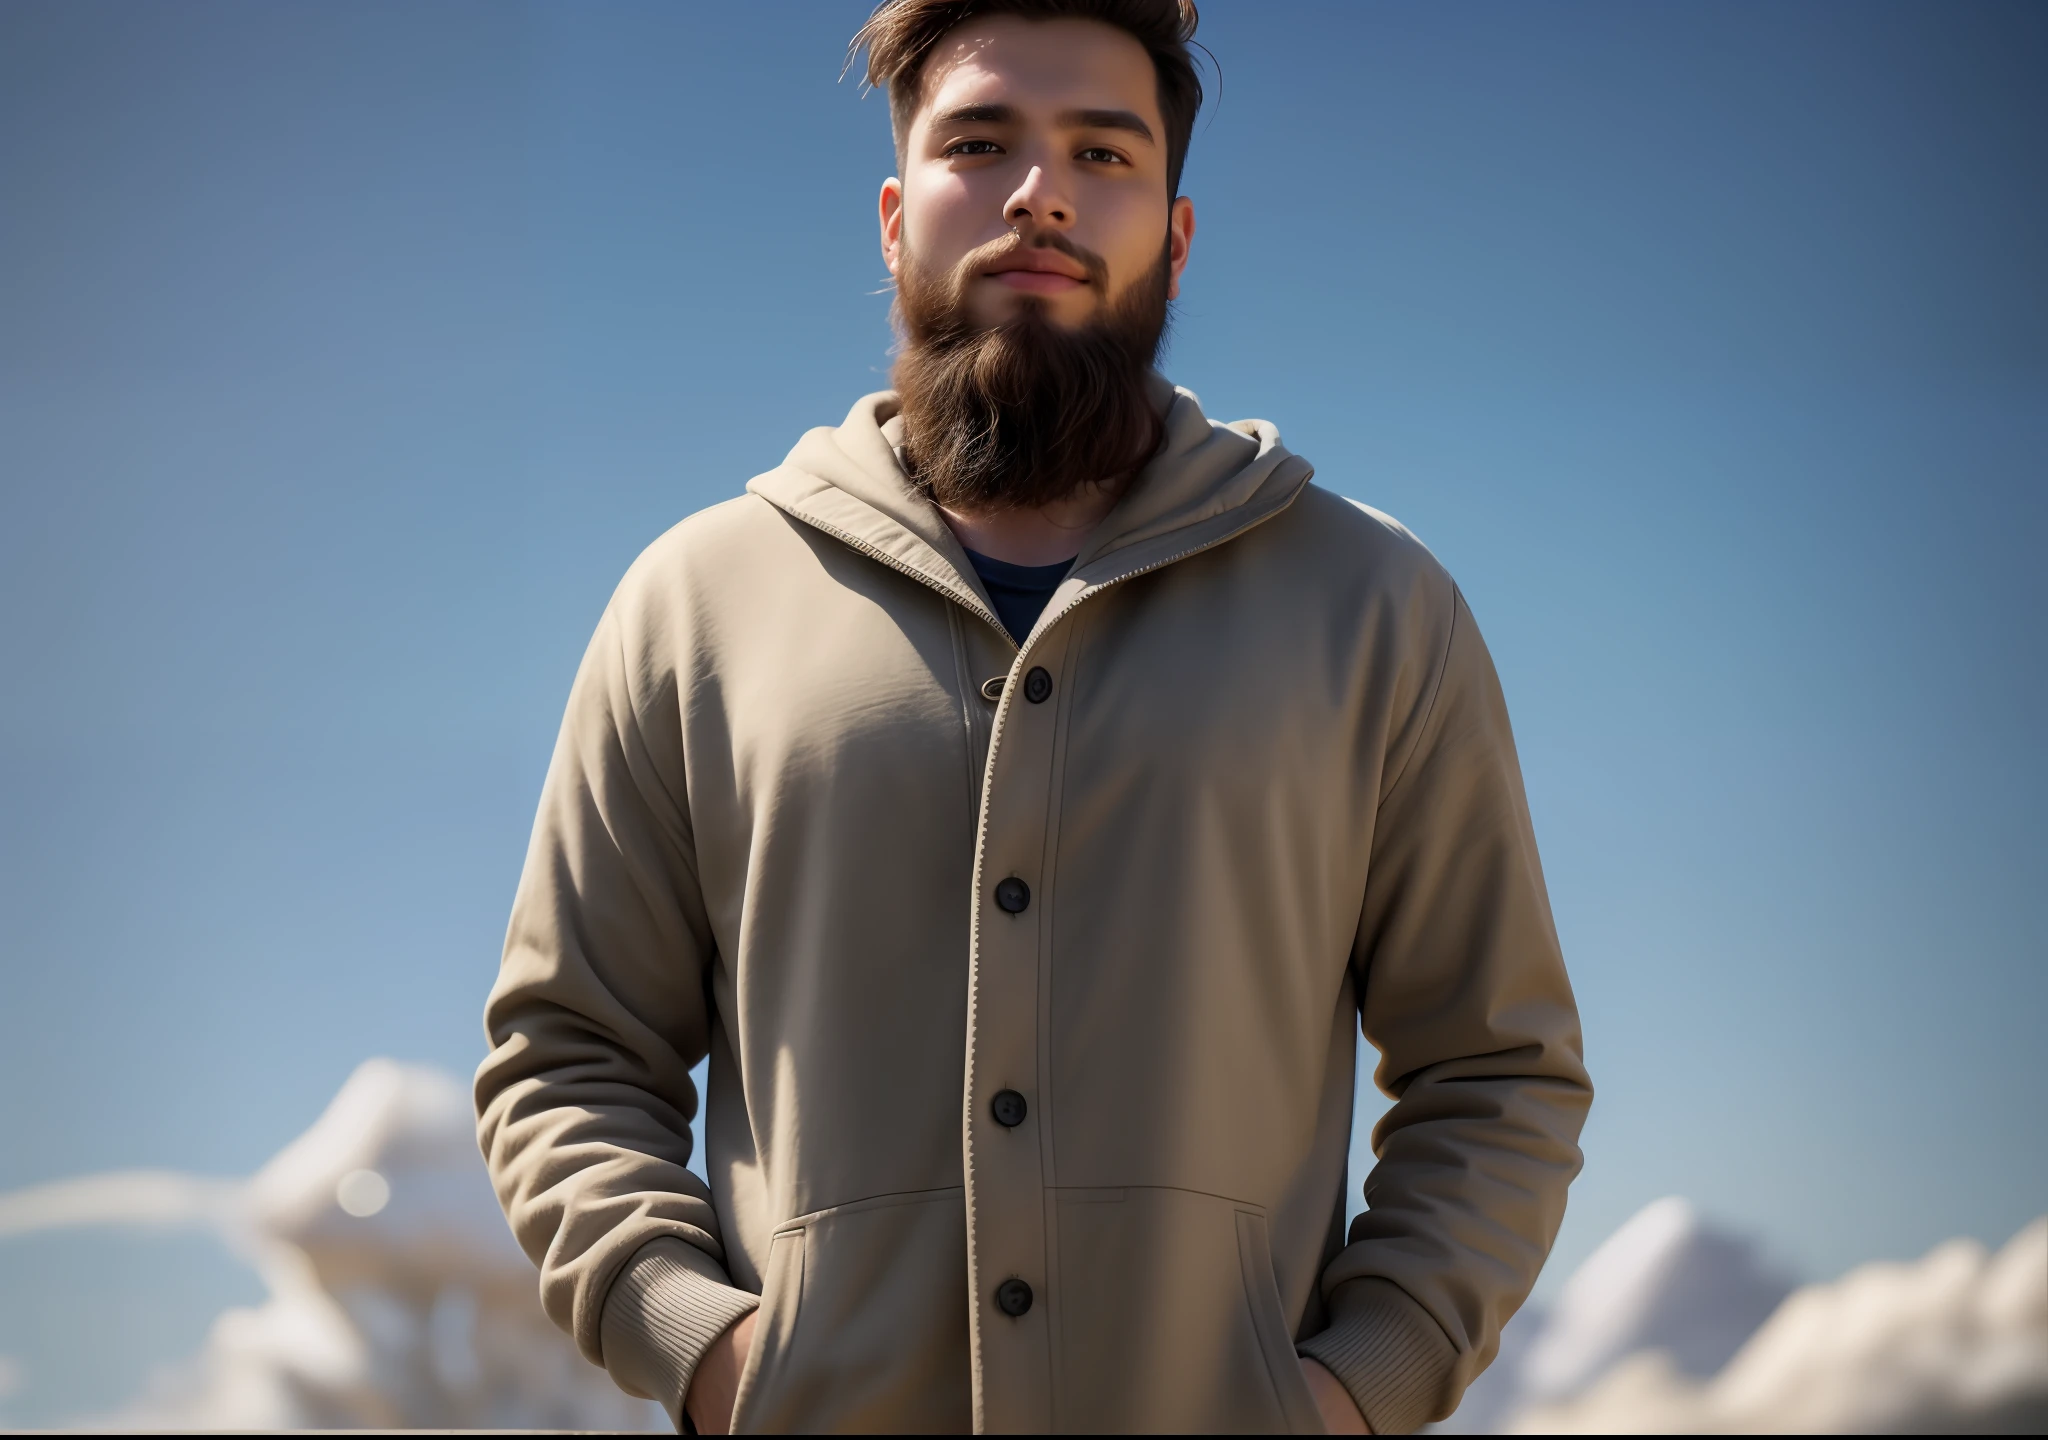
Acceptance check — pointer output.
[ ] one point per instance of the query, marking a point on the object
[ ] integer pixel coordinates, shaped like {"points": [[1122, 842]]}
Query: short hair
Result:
{"points": [[900, 34]]}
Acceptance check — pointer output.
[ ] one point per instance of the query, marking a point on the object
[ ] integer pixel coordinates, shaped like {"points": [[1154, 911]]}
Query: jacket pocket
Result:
{"points": [[863, 1321], [782, 1288], [1158, 1324], [1262, 1299]]}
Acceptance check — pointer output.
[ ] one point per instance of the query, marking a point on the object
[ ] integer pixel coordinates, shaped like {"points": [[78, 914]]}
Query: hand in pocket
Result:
{"points": [[716, 1385], [1341, 1415]]}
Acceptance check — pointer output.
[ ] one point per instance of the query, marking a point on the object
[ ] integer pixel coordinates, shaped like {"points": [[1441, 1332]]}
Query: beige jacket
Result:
{"points": [[1031, 980]]}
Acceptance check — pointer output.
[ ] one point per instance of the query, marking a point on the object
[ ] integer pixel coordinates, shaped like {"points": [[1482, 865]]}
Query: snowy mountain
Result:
{"points": [[1673, 1325], [1665, 1281], [1956, 1341], [397, 1296]]}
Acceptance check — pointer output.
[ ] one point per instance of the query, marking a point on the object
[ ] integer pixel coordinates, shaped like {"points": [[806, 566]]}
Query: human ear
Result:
{"points": [[891, 213], [1180, 236]]}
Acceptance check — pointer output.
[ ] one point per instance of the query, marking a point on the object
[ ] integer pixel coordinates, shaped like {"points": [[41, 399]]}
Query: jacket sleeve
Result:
{"points": [[1463, 990], [584, 1102]]}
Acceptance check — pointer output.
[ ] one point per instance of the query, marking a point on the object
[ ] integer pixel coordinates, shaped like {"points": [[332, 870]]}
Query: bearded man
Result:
{"points": [[1026, 795]]}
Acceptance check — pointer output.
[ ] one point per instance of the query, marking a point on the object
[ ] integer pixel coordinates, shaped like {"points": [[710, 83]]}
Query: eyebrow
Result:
{"points": [[1125, 120]]}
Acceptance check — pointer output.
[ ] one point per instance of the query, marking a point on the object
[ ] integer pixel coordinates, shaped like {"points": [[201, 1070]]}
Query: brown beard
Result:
{"points": [[1024, 413]]}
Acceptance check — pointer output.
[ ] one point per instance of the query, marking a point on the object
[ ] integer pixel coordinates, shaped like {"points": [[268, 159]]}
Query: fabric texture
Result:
{"points": [[1018, 593], [666, 1308], [1031, 1008], [1391, 1356]]}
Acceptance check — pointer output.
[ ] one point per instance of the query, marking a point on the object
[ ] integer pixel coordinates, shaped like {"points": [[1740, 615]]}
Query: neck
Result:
{"points": [[1043, 535]]}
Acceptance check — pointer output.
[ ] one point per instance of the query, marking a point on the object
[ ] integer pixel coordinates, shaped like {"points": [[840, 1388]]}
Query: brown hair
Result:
{"points": [[900, 34]]}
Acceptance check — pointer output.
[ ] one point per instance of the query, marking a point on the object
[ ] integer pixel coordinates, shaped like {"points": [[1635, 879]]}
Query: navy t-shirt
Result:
{"points": [[1018, 591]]}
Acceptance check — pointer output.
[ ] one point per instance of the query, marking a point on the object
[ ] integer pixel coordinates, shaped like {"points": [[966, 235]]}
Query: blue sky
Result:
{"points": [[348, 354]]}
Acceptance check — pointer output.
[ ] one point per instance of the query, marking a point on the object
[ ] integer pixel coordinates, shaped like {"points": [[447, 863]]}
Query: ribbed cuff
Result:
{"points": [[661, 1315], [1393, 1358]]}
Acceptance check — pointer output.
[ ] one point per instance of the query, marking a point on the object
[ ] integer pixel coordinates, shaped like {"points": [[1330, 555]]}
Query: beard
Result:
{"points": [[1024, 413]]}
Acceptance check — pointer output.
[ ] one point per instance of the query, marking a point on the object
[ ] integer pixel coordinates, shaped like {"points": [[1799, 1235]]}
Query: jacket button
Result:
{"points": [[1013, 895], [1037, 685], [1010, 1109], [992, 688], [1013, 1297]]}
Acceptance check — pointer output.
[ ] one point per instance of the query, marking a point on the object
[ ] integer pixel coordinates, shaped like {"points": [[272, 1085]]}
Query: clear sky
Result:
{"points": [[348, 354]]}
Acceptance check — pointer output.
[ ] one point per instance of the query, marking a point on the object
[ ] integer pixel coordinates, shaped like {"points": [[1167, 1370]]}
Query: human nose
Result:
{"points": [[1041, 199]]}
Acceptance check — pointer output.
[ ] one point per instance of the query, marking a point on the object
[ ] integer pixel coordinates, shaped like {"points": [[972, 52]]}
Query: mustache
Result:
{"points": [[934, 308], [984, 257]]}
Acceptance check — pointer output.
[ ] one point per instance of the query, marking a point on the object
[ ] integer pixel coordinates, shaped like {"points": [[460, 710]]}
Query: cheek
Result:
{"points": [[1132, 235], [945, 215]]}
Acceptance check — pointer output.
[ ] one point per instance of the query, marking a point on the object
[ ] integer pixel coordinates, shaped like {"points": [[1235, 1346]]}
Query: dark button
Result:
{"points": [[992, 688], [1013, 1296], [1010, 1108], [1037, 685], [1013, 895]]}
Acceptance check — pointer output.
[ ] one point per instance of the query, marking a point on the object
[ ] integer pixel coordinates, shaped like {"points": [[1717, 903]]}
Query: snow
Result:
{"points": [[1955, 1341], [1675, 1326], [1666, 1280], [397, 1296]]}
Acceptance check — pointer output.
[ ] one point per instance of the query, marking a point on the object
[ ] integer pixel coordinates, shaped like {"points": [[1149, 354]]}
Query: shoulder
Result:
{"points": [[1358, 529], [708, 559], [709, 537], [1348, 544], [711, 547]]}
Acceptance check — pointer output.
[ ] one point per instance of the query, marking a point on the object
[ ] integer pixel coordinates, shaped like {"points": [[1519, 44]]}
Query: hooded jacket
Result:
{"points": [[1031, 977]]}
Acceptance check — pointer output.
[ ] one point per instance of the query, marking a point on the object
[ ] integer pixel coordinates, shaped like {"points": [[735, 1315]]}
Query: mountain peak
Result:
{"points": [[1666, 1280]]}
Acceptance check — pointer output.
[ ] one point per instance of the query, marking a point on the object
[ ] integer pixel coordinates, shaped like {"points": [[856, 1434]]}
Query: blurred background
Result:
{"points": [[349, 353]]}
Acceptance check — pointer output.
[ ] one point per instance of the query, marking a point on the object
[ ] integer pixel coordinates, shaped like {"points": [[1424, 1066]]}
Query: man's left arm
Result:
{"points": [[1463, 990]]}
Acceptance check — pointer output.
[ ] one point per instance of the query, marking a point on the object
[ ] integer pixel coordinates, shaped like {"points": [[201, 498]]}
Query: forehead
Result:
{"points": [[1063, 64]]}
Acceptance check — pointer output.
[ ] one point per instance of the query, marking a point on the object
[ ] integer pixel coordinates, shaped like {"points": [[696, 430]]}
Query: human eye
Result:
{"points": [[1102, 155], [974, 147]]}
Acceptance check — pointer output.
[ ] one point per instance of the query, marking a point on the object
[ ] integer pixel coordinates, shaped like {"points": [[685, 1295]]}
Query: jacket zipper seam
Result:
{"points": [[969, 712], [1173, 559], [918, 575]]}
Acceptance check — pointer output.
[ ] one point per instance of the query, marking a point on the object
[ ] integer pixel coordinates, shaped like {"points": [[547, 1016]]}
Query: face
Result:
{"points": [[1037, 161]]}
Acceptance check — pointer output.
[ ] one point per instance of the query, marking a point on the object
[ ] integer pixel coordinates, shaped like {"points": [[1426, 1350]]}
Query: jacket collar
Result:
{"points": [[1208, 483]]}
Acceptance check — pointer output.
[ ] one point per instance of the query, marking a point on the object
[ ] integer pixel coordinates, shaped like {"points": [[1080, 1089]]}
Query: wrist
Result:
{"points": [[666, 1310], [714, 1387]]}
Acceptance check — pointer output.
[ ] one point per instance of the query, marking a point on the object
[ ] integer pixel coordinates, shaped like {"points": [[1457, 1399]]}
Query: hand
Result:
{"points": [[1339, 1411], [716, 1383]]}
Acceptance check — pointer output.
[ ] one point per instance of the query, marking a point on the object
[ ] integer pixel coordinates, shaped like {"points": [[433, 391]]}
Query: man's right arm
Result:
{"points": [[599, 1012]]}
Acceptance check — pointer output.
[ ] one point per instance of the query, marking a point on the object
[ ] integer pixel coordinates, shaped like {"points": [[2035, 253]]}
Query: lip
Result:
{"points": [[1036, 282], [1040, 270]]}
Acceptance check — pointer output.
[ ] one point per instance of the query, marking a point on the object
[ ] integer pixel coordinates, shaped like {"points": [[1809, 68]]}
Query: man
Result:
{"points": [[1022, 795]]}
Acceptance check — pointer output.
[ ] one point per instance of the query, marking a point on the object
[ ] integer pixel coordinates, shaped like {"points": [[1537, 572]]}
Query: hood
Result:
{"points": [[1207, 483]]}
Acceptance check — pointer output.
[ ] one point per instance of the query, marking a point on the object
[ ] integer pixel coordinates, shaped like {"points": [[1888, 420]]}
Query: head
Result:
{"points": [[1035, 232]]}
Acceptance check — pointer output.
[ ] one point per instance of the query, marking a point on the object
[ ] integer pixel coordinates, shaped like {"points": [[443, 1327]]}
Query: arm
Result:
{"points": [[1463, 990], [599, 1012]]}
